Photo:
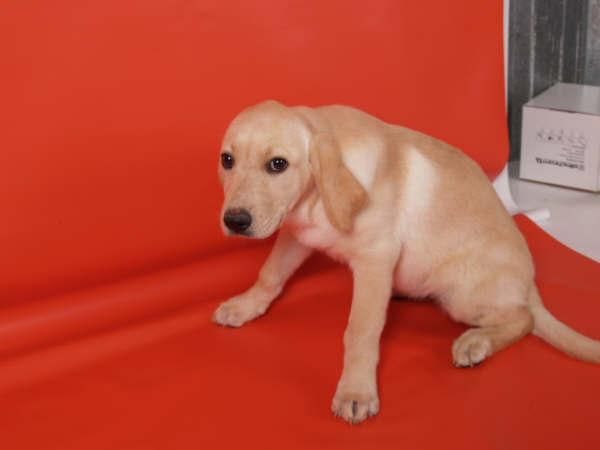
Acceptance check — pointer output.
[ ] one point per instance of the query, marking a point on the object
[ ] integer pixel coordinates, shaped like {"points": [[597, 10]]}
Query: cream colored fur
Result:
{"points": [[408, 213]]}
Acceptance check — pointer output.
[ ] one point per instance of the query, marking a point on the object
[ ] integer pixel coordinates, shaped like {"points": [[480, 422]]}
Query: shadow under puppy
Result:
{"points": [[408, 213]]}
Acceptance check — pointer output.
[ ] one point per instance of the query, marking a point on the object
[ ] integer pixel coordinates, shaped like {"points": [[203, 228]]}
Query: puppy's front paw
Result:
{"points": [[237, 311], [355, 405]]}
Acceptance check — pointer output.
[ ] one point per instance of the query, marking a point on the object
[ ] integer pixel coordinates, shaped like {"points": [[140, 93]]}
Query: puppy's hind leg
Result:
{"points": [[477, 344], [499, 321]]}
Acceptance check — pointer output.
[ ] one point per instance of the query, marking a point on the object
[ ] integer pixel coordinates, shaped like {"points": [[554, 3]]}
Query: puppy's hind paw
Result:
{"points": [[471, 348]]}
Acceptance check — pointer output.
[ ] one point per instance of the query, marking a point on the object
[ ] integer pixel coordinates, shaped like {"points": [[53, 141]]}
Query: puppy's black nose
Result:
{"points": [[237, 220]]}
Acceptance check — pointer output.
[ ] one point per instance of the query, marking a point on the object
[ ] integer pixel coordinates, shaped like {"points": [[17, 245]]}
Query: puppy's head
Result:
{"points": [[269, 157], [264, 168]]}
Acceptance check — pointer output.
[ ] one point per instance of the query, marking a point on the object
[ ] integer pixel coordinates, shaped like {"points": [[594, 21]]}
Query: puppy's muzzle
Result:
{"points": [[238, 220]]}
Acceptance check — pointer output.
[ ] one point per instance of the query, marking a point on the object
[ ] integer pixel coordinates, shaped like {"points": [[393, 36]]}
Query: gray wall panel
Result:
{"points": [[592, 66]]}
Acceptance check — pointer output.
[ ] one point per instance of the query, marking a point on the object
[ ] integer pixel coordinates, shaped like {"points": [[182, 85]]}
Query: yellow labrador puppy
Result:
{"points": [[408, 213]]}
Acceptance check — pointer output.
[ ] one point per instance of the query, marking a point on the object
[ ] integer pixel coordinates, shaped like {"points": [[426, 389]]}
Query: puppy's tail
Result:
{"points": [[559, 335]]}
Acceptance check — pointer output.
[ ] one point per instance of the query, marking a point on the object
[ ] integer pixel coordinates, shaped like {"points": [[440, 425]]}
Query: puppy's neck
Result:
{"points": [[302, 214]]}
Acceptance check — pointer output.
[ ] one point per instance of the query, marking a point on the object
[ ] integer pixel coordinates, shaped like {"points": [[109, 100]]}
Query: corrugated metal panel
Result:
{"points": [[592, 66]]}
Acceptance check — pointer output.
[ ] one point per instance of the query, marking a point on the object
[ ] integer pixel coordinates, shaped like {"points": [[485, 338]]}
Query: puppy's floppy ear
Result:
{"points": [[342, 195]]}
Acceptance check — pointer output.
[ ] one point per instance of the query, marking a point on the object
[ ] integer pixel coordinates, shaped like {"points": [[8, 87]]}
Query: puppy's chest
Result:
{"points": [[411, 276], [315, 231], [316, 237]]}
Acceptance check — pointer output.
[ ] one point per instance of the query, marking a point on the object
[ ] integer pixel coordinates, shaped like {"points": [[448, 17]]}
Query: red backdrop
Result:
{"points": [[114, 111]]}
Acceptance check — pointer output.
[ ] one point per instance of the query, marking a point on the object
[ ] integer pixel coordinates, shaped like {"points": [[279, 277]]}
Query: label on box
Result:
{"points": [[561, 147]]}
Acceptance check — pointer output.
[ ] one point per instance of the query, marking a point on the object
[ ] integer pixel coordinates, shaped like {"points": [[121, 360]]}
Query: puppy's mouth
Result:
{"points": [[245, 233], [269, 228]]}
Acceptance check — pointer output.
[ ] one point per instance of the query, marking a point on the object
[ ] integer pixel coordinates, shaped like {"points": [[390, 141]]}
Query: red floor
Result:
{"points": [[175, 380]]}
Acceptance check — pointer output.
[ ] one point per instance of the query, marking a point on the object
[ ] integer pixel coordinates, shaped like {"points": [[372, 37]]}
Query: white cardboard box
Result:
{"points": [[560, 140]]}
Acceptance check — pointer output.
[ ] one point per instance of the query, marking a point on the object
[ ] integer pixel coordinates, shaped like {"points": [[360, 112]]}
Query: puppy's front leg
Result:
{"points": [[356, 396], [287, 255]]}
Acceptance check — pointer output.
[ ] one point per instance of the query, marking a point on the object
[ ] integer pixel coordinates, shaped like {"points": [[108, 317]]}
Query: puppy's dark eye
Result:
{"points": [[277, 165], [227, 161]]}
